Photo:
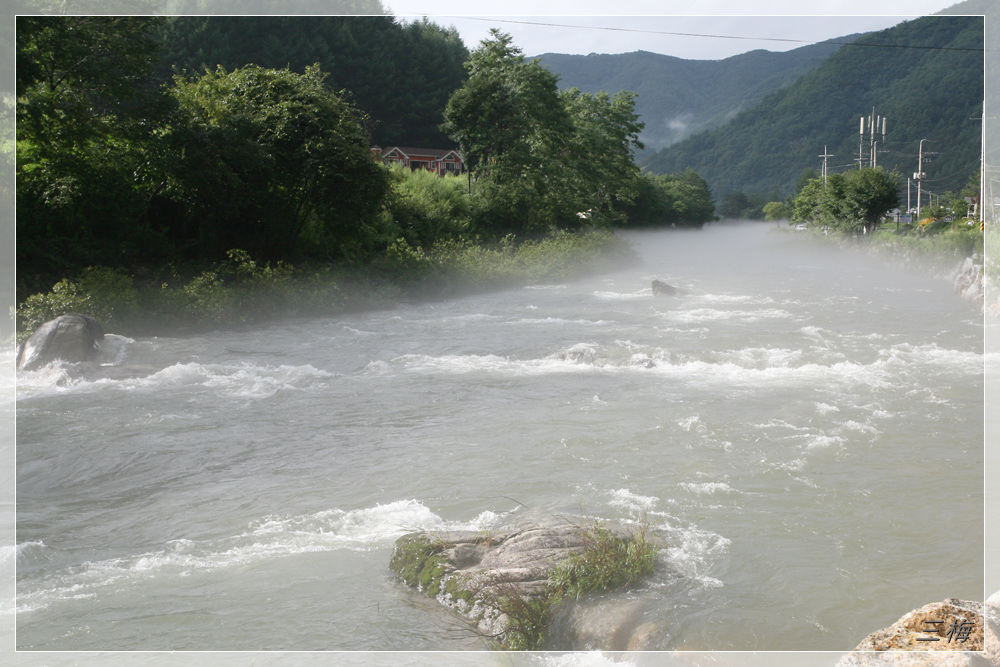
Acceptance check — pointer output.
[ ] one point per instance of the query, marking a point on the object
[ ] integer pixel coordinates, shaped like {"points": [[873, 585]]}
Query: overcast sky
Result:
{"points": [[714, 29]]}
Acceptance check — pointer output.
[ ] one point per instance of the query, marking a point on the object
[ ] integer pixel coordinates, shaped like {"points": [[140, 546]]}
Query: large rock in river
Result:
{"points": [[71, 337], [951, 633], [661, 288], [487, 577]]}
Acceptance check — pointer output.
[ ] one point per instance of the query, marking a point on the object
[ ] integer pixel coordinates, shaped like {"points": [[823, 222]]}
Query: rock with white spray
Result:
{"points": [[71, 337], [661, 288]]}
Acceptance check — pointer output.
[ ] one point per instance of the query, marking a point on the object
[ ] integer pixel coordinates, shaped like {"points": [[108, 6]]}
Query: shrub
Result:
{"points": [[608, 562], [105, 294], [428, 208]]}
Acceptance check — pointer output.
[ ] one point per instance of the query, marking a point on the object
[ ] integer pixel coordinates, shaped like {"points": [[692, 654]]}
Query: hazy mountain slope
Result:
{"points": [[678, 97], [925, 76]]}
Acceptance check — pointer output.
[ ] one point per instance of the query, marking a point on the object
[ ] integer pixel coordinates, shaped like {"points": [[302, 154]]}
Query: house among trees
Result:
{"points": [[440, 161]]}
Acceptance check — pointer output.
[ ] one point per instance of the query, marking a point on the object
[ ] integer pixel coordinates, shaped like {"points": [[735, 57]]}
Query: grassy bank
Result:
{"points": [[940, 248], [937, 248], [239, 291]]}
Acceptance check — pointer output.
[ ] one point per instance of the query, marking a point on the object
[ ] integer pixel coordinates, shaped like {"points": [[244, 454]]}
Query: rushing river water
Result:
{"points": [[802, 426]]}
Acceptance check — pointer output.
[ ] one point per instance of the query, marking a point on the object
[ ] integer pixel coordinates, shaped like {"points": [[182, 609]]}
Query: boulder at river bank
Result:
{"points": [[71, 337], [503, 584], [951, 633], [967, 280]]}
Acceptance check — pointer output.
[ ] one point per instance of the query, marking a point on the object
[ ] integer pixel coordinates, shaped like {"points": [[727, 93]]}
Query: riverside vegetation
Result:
{"points": [[238, 195], [852, 207]]}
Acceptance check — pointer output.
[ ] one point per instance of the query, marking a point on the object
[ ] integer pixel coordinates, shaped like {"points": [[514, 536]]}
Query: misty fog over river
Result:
{"points": [[803, 427]]}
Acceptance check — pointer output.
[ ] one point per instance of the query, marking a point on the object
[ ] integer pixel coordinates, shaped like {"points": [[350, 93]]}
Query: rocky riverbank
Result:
{"points": [[968, 281]]}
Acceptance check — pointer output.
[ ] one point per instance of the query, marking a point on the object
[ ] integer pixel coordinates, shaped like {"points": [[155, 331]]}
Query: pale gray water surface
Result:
{"points": [[803, 427]]}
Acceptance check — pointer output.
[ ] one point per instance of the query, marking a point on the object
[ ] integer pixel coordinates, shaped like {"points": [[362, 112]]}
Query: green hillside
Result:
{"points": [[678, 97], [925, 76]]}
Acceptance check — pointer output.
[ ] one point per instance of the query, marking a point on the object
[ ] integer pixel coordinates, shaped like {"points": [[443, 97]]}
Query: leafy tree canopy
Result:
{"points": [[399, 74], [266, 155], [540, 157], [853, 201]]}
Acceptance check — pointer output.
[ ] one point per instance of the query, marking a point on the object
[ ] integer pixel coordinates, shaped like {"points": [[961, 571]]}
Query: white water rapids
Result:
{"points": [[803, 426]]}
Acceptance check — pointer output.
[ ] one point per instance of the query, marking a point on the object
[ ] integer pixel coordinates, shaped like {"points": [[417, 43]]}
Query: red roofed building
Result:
{"points": [[440, 161]]}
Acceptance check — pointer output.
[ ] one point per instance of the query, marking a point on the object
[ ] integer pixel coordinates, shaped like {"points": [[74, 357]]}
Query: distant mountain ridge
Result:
{"points": [[924, 75], [679, 97]]}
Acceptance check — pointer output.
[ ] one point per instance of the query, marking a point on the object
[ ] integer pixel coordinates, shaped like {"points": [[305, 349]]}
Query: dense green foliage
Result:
{"points": [[131, 192], [399, 74], [261, 158], [540, 158], [854, 201], [114, 171], [916, 74], [86, 119], [678, 200]]}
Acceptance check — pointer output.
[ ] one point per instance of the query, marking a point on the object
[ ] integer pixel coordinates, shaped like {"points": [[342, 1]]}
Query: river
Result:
{"points": [[802, 426]]}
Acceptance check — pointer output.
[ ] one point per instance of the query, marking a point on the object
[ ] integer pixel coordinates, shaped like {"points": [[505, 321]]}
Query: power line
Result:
{"points": [[695, 34]]}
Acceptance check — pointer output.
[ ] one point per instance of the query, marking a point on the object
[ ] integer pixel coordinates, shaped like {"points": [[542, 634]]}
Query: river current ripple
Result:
{"points": [[803, 427]]}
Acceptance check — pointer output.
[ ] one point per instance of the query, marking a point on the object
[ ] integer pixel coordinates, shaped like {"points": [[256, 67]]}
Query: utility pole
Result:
{"points": [[919, 175], [982, 173], [825, 155]]}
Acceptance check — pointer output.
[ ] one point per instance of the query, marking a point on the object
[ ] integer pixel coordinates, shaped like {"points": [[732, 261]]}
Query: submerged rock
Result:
{"points": [[948, 633], [661, 288], [71, 337], [488, 577]]}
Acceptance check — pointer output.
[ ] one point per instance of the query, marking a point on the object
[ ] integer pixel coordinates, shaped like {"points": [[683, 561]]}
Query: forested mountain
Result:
{"points": [[925, 76], [399, 74], [678, 97]]}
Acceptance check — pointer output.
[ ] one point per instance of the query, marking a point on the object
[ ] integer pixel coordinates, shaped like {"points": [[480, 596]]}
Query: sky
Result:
{"points": [[714, 29]]}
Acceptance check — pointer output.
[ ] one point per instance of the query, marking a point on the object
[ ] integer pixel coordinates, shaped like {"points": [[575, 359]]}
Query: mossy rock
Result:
{"points": [[418, 561], [505, 583]]}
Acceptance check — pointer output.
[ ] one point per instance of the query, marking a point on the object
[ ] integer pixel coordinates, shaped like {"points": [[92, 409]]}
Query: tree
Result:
{"points": [[86, 109], [540, 158], [671, 200], [262, 159], [399, 73], [852, 201], [735, 205], [508, 121], [599, 158], [870, 194], [79, 75], [777, 210]]}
